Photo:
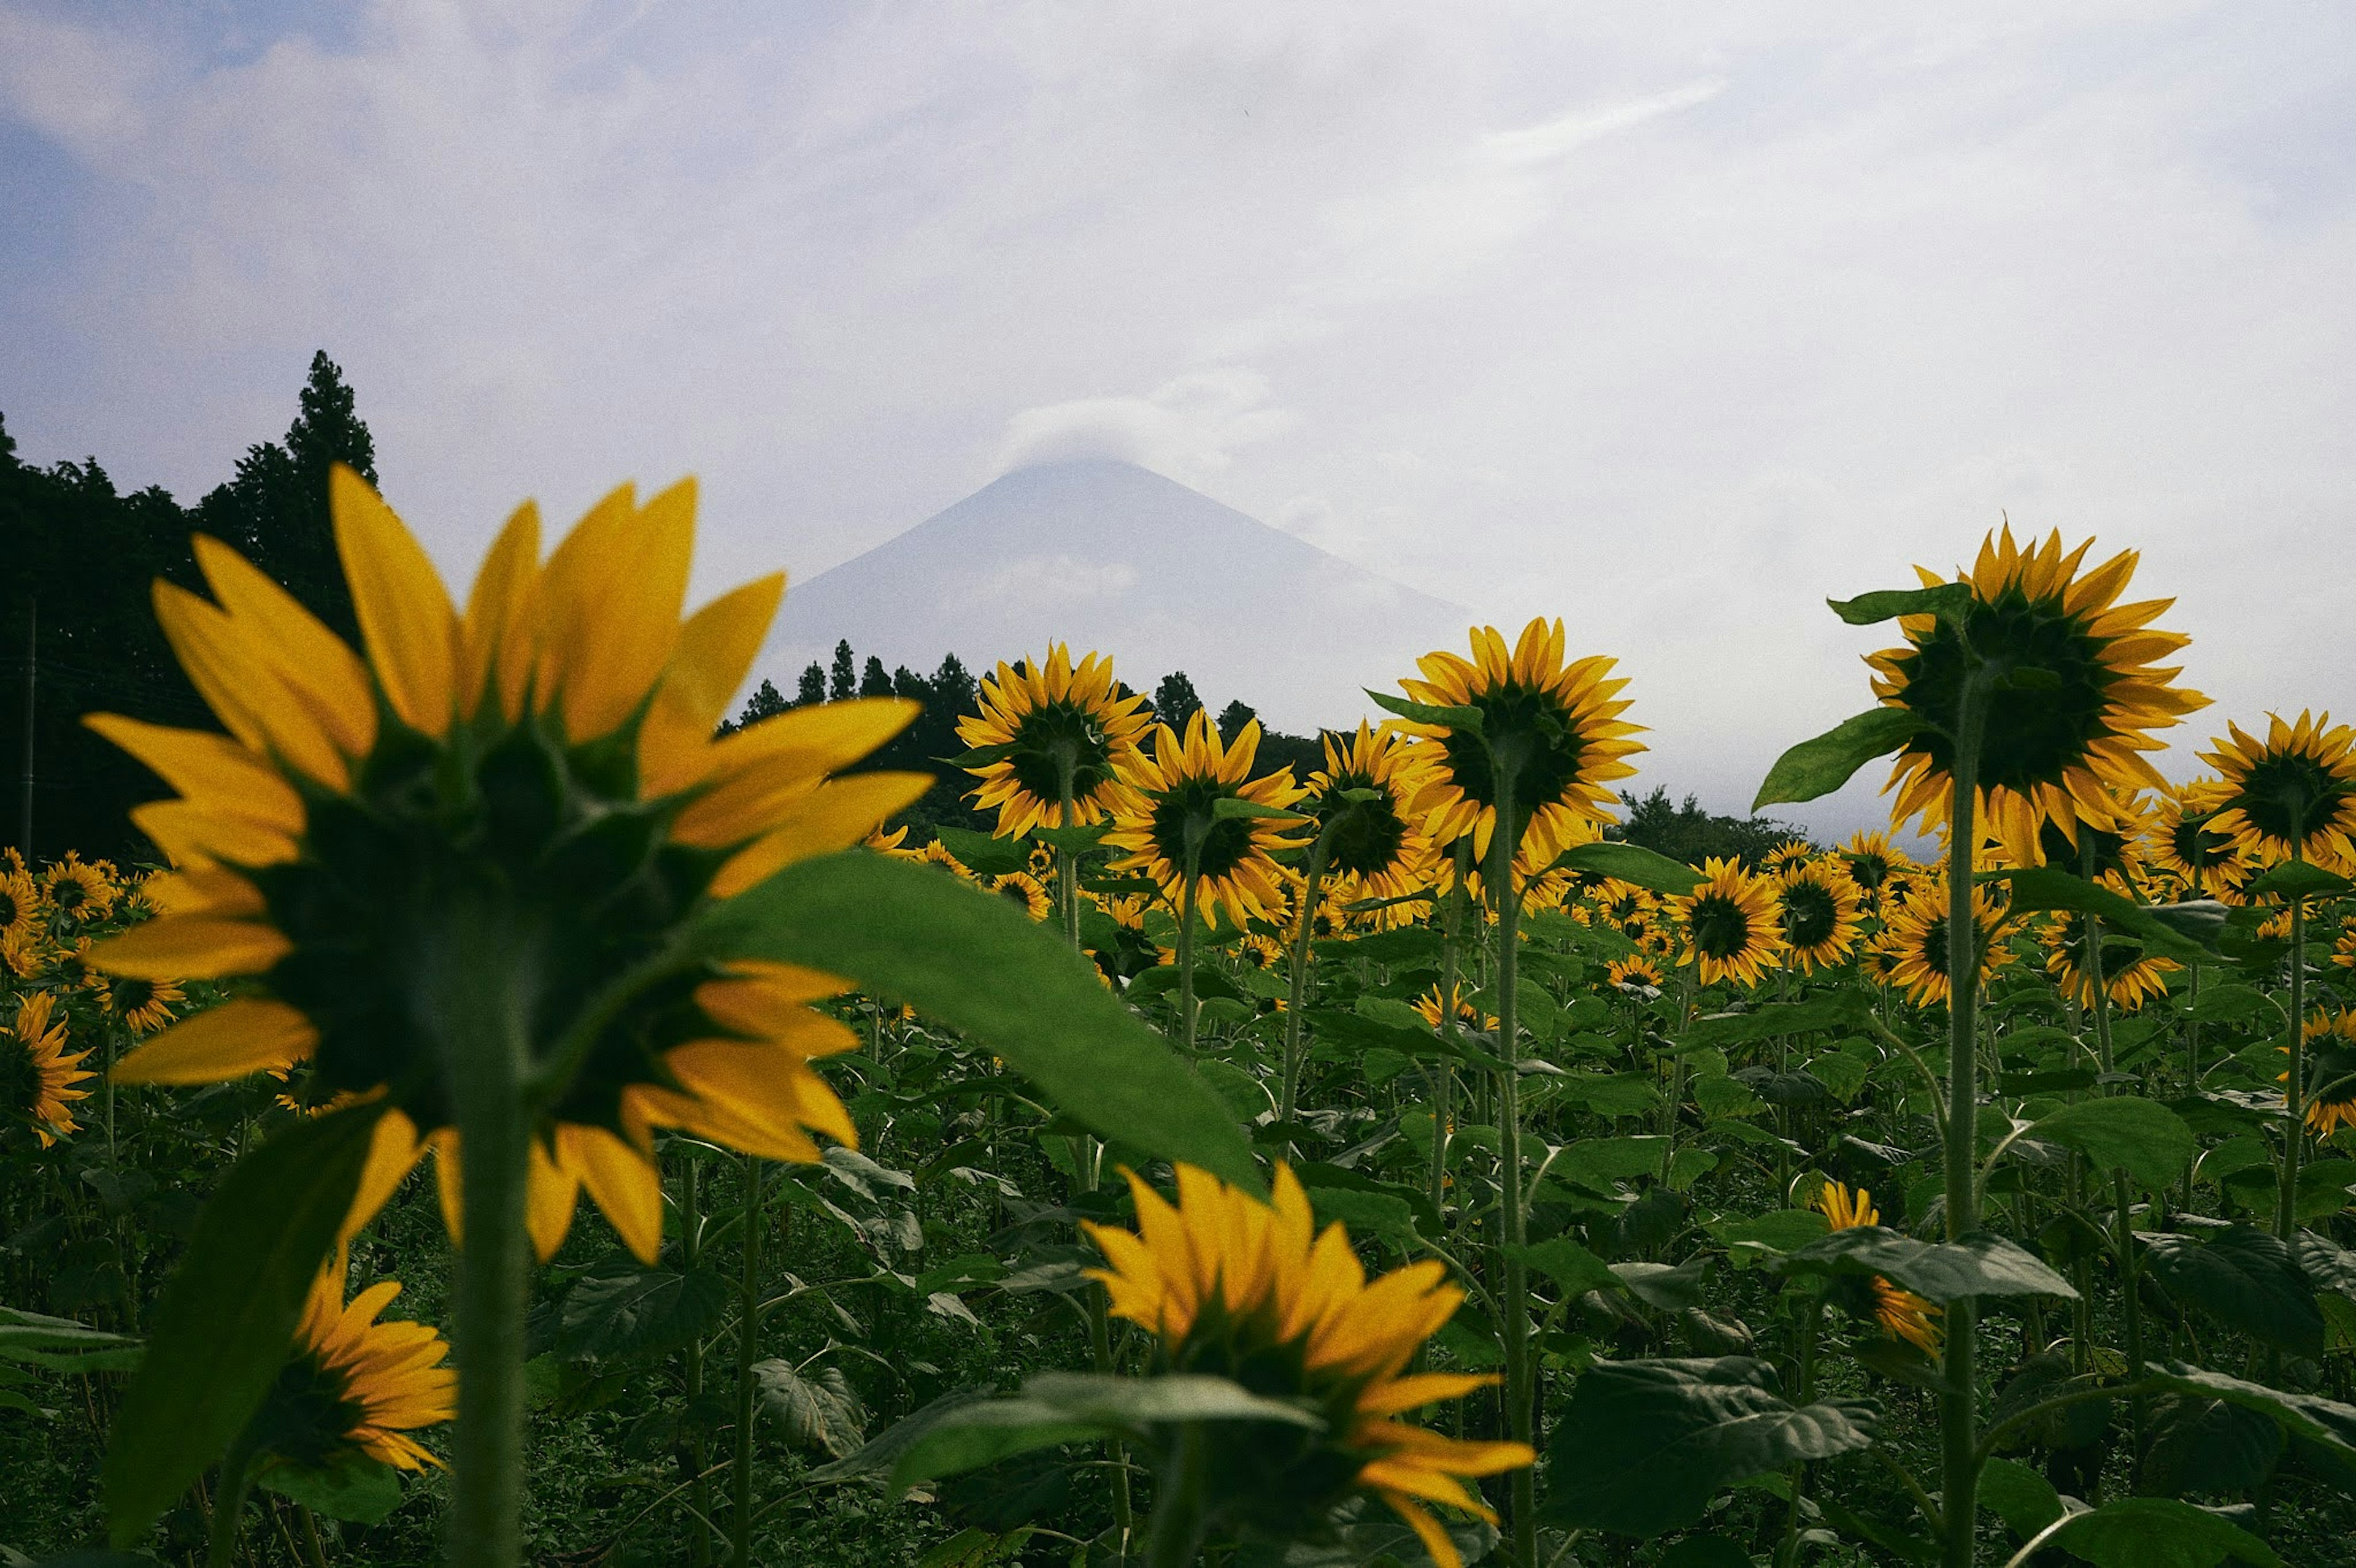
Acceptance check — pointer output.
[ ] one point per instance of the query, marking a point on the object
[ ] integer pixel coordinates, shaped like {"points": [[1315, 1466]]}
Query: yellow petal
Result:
{"points": [[551, 1194], [716, 648], [838, 814], [614, 590], [192, 834], [311, 661], [213, 768], [393, 1152], [191, 947], [497, 641], [243, 689], [621, 1181], [405, 614], [245, 1034], [764, 1087]]}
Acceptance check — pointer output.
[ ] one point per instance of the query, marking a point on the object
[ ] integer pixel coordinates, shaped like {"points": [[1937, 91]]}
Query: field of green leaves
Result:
{"points": [[1389, 1164]]}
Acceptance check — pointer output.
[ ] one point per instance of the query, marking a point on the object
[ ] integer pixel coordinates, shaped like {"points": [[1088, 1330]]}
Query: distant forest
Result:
{"points": [[77, 635]]}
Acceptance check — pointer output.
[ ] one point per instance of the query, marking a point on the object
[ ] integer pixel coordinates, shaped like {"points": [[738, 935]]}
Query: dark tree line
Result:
{"points": [[1684, 831]]}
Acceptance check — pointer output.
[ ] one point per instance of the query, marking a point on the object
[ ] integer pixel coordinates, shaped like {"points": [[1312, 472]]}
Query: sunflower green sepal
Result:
{"points": [[1467, 719], [1818, 767], [2044, 888], [1948, 601], [914, 935]]}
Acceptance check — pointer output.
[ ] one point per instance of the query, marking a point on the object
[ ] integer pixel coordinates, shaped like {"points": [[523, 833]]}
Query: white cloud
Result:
{"points": [[1187, 429]]}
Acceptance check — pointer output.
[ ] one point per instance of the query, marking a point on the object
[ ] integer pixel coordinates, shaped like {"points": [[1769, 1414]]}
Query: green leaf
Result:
{"points": [[1772, 1235], [1979, 1264], [355, 1489], [982, 756], [1816, 767], [2142, 1137], [1567, 1264], [2297, 879], [62, 1345], [2229, 1003], [975, 963], [1229, 808], [2024, 1500], [1646, 1443], [222, 1328], [983, 854], [1077, 839], [1706, 1551], [2246, 1279], [1468, 719], [1947, 601], [1635, 864], [1069, 1407], [1672, 1289], [820, 1411], [2044, 887], [1845, 1009], [2206, 1445], [2325, 1422], [2160, 1532], [628, 1311]]}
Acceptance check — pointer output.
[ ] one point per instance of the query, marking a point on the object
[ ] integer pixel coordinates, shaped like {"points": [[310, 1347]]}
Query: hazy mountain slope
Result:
{"points": [[1109, 556]]}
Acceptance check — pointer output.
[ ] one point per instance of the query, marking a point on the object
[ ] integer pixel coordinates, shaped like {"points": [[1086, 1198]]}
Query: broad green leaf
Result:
{"points": [[1367, 1215], [2202, 920], [1465, 718], [62, 1345], [1946, 600], [2299, 878], [2246, 1279], [618, 1313], [2045, 887], [1599, 1162], [983, 854], [228, 1315], [2020, 1497], [1316, 1174], [1644, 1445], [2207, 1444], [2158, 1532], [1568, 1265], [1979, 1264], [2228, 1003], [1067, 1407], [1770, 1234], [1816, 767], [356, 1487], [1670, 1288], [2326, 1421], [1719, 1095], [980, 966], [1845, 1009], [2142, 1137], [1635, 864], [1079, 838], [1611, 1093], [819, 1411]]}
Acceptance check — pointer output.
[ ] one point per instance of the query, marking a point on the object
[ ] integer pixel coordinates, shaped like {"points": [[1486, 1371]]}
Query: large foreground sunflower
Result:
{"points": [[2070, 714], [527, 793], [38, 1081], [1235, 1287], [2291, 794], [1733, 924], [1046, 728], [1901, 1312], [1167, 820], [1557, 725]]}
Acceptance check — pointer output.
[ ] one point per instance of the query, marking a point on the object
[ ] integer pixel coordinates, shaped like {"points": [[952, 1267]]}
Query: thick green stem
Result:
{"points": [[229, 1500], [1174, 1536], [2123, 1251], [2294, 1134], [1187, 937], [1520, 1395], [477, 988], [1958, 1403], [1811, 1322], [1067, 862], [1311, 885], [748, 1351]]}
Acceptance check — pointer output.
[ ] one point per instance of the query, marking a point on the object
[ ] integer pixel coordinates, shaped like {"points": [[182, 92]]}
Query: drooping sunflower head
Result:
{"points": [[1552, 729], [1914, 943], [1819, 906], [2131, 975], [540, 771], [2293, 793], [1233, 1287], [2075, 692], [1167, 818], [1435, 1011], [145, 1005], [355, 1384], [1901, 1312], [2182, 839], [1733, 924], [38, 1081], [1047, 727], [1360, 800], [1636, 969], [1022, 889], [2330, 1070]]}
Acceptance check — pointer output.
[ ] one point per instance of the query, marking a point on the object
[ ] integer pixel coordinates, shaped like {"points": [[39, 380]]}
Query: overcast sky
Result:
{"points": [[1667, 319]]}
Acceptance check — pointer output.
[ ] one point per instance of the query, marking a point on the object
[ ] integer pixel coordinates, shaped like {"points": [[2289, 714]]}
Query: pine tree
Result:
{"points": [[813, 686], [845, 682], [766, 701], [954, 690], [1233, 718], [1174, 702], [875, 681]]}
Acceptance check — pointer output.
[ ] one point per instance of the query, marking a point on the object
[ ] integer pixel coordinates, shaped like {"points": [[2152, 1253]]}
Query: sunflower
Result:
{"points": [[541, 769], [354, 1383], [2330, 1071], [1166, 820], [1914, 943], [145, 1005], [1360, 800], [1045, 728], [1732, 922], [1434, 1010], [2343, 951], [42, 1080], [80, 892], [2130, 975], [1902, 1313], [1559, 723], [1819, 906], [1636, 969], [1023, 891], [1790, 853], [2075, 696], [2292, 794], [25, 950], [1235, 1287], [2180, 839], [20, 904], [1872, 861]]}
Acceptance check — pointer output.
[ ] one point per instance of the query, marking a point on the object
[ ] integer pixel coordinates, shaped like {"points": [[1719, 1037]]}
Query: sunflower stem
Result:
{"points": [[2123, 1240], [690, 1241], [236, 1485], [474, 978], [748, 1348], [1194, 833], [1502, 843], [1067, 863], [1173, 1537], [1958, 1403], [1452, 936], [1311, 882], [2294, 1134]]}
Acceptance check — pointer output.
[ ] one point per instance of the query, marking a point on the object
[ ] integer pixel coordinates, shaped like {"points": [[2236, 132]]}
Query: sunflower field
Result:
{"points": [[1382, 1163]]}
